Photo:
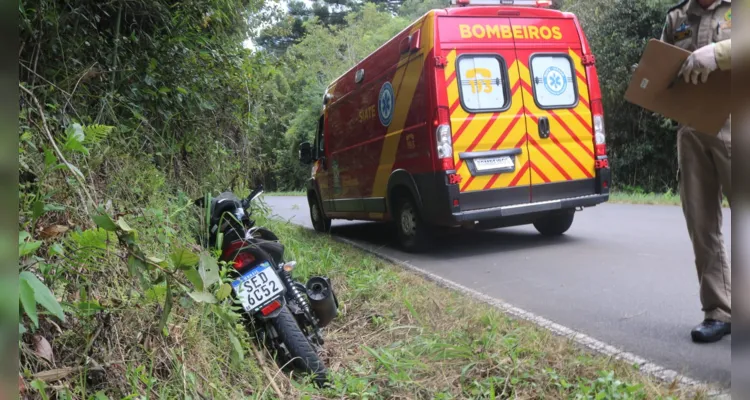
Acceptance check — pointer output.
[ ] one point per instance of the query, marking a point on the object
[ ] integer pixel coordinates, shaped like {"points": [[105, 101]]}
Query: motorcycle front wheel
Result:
{"points": [[303, 355]]}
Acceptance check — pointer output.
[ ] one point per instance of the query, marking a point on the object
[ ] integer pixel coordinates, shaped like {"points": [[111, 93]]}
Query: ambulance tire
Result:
{"points": [[555, 224], [413, 232], [319, 220]]}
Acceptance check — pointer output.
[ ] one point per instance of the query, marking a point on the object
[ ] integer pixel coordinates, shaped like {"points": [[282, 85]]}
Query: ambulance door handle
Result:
{"points": [[544, 128]]}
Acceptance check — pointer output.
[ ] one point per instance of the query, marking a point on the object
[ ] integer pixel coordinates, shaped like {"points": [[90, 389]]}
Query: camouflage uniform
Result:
{"points": [[704, 161]]}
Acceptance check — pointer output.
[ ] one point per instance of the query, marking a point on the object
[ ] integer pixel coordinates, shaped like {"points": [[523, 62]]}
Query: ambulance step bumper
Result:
{"points": [[531, 208]]}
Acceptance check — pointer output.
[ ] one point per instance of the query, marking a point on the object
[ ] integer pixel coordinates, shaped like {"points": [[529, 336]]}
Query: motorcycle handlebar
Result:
{"points": [[200, 202], [255, 193]]}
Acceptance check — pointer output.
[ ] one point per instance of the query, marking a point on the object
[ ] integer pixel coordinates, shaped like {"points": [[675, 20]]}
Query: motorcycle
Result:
{"points": [[281, 312]]}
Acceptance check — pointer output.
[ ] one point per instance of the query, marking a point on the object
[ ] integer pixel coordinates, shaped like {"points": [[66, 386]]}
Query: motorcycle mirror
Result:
{"points": [[255, 193]]}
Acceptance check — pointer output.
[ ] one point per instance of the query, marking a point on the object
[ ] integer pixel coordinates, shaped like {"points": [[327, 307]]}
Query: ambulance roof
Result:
{"points": [[473, 11]]}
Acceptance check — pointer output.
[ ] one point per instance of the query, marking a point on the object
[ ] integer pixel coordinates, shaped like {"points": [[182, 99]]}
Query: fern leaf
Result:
{"points": [[96, 133]]}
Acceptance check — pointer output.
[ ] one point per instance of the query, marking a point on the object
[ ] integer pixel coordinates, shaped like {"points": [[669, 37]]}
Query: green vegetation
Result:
{"points": [[636, 195], [627, 197], [129, 109], [397, 335], [294, 193]]}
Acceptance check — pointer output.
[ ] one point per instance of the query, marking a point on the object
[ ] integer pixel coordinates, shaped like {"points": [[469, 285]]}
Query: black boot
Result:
{"points": [[711, 331]]}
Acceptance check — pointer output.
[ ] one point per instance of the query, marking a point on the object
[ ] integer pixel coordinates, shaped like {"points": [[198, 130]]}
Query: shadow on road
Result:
{"points": [[454, 243]]}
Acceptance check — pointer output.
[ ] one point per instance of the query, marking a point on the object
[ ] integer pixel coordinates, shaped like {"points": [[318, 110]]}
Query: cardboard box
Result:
{"points": [[655, 87]]}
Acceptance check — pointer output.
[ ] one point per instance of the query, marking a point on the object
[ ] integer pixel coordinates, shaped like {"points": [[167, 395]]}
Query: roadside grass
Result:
{"points": [[397, 336], [290, 193], [401, 336], [639, 197]]}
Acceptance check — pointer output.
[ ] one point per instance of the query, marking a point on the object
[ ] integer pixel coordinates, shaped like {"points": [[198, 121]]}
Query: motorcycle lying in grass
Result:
{"points": [[282, 313]]}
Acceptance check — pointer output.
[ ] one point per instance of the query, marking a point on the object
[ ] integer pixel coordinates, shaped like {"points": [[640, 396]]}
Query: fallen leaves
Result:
{"points": [[53, 375], [43, 349], [53, 231]]}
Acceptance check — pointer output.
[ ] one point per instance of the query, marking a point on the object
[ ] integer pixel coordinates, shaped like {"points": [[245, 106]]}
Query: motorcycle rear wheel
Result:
{"points": [[303, 355]]}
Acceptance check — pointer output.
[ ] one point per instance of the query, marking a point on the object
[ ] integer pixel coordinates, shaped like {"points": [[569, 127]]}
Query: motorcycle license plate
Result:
{"points": [[257, 287]]}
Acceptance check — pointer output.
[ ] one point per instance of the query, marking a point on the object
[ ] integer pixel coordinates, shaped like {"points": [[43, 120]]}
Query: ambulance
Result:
{"points": [[485, 114]]}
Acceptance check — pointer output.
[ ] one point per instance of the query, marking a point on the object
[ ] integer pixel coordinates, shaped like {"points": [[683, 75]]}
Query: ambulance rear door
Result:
{"points": [[557, 109], [486, 111]]}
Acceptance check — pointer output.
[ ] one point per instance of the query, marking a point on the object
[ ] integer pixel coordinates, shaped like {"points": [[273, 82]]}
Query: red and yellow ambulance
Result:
{"points": [[475, 115]]}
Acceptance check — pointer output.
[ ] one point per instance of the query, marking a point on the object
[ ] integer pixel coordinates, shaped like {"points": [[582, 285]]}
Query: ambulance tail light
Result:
{"points": [[444, 139], [600, 143]]}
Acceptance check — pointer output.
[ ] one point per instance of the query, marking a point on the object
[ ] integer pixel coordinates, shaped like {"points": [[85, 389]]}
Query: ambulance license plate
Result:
{"points": [[257, 287], [491, 163]]}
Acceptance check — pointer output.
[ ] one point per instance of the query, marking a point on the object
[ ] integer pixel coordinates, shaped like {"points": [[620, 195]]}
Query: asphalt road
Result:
{"points": [[623, 274]]}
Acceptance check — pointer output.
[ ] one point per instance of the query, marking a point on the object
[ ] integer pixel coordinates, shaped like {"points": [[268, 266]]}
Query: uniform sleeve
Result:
{"points": [[723, 53], [666, 31]]}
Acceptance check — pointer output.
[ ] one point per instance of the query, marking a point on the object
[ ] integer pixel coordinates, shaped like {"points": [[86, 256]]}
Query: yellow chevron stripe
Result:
{"points": [[524, 180], [583, 89], [453, 95], [581, 131], [463, 170], [557, 154], [469, 134], [515, 135], [450, 68], [452, 89], [405, 82], [491, 137], [518, 132], [475, 127]]}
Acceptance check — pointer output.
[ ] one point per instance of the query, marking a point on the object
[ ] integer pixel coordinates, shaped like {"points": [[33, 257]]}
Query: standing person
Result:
{"points": [[704, 170]]}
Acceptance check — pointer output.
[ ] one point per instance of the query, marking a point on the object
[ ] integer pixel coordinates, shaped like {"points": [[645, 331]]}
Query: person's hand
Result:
{"points": [[700, 63]]}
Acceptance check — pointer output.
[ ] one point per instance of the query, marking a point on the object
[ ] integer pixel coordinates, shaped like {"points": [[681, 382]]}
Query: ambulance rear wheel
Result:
{"points": [[319, 220], [412, 231], [555, 224]]}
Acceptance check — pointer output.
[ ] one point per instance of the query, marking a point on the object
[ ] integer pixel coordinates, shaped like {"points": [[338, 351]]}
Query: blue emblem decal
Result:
{"points": [[385, 104], [682, 32], [555, 81]]}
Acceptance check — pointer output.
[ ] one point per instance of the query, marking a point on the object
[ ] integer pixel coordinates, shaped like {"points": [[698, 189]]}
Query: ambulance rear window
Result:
{"points": [[483, 83], [554, 83]]}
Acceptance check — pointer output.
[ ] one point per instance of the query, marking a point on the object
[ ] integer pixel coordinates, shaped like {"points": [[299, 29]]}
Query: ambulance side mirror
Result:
{"points": [[415, 41], [411, 43], [305, 153]]}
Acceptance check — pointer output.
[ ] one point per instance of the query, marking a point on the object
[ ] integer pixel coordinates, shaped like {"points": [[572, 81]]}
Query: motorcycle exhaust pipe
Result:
{"points": [[322, 299]]}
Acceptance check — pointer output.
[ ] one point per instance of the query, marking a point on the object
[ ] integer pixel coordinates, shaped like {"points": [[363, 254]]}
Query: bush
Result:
{"points": [[642, 146]]}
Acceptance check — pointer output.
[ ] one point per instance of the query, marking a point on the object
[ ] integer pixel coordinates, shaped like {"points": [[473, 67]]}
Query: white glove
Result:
{"points": [[700, 62]]}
